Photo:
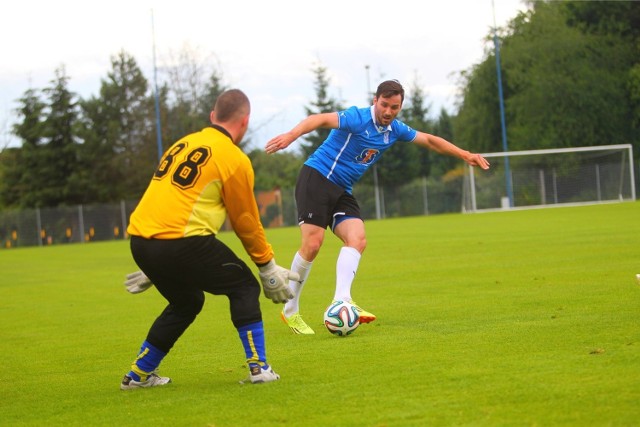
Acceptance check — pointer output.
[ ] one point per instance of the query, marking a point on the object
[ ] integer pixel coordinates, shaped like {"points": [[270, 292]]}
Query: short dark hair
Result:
{"points": [[390, 88], [231, 103]]}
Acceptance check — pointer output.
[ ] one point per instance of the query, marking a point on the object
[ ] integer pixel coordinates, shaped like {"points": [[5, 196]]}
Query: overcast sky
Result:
{"points": [[266, 48]]}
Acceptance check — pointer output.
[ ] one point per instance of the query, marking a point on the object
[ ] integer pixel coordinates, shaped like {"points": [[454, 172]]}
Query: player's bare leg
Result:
{"points": [[312, 238]]}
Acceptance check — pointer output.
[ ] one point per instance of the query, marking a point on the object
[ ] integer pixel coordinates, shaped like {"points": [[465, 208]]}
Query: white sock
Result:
{"points": [[346, 268], [302, 267]]}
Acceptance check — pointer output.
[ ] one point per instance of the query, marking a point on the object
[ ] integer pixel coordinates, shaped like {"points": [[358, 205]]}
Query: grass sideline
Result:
{"points": [[506, 318]]}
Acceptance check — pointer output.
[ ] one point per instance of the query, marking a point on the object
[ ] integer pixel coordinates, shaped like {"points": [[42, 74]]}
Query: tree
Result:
{"points": [[478, 120], [10, 170], [120, 150], [621, 19], [60, 151], [48, 156], [323, 104], [17, 165], [192, 95], [443, 127], [213, 88], [563, 86], [568, 87], [279, 170]]}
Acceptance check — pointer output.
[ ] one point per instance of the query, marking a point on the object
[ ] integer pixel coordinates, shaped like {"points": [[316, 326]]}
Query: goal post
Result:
{"points": [[551, 177]]}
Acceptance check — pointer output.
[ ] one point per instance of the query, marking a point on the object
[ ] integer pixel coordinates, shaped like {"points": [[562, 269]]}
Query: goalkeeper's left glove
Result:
{"points": [[137, 282], [275, 282]]}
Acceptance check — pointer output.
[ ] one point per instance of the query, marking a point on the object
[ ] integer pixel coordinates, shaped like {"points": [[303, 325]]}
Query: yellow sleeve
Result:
{"points": [[242, 210]]}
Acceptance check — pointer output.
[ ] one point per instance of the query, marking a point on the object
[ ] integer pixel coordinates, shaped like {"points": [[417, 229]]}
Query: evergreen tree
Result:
{"points": [[212, 90], [58, 156], [323, 104], [120, 150], [10, 170], [443, 127], [19, 165]]}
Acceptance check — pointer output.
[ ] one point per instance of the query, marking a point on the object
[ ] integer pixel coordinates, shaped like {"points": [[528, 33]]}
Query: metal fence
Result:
{"points": [[90, 223], [65, 224], [423, 196]]}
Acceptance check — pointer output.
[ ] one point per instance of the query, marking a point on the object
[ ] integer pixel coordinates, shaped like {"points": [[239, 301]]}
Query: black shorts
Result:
{"points": [[320, 201], [183, 269]]}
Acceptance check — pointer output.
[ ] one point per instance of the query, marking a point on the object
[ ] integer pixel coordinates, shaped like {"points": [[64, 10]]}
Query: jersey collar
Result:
{"points": [[223, 130], [379, 128]]}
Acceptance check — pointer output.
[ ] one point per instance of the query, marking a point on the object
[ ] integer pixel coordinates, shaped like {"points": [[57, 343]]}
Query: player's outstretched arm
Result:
{"points": [[311, 123], [442, 146]]}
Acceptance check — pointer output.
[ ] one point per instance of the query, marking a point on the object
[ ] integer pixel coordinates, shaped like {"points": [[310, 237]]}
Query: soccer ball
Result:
{"points": [[341, 318]]}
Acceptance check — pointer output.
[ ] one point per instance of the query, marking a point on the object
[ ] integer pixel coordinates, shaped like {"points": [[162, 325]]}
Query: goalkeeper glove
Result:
{"points": [[275, 282], [137, 282]]}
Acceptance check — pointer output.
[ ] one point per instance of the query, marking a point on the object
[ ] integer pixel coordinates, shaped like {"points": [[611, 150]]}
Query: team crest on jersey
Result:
{"points": [[367, 156], [384, 130]]}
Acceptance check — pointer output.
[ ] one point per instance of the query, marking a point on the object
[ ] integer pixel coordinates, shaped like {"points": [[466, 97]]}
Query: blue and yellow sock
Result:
{"points": [[148, 360], [252, 337]]}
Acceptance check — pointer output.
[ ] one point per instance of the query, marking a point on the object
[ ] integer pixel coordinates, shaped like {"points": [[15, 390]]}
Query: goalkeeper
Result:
{"points": [[200, 179]]}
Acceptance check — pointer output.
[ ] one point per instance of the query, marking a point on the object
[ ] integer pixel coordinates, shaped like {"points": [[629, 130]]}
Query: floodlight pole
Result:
{"points": [[156, 95], [507, 171]]}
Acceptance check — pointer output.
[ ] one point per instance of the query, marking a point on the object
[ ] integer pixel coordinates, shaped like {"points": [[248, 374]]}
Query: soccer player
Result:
{"points": [[200, 179], [323, 192]]}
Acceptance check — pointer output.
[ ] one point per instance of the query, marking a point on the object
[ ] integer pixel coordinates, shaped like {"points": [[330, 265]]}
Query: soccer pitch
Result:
{"points": [[497, 319]]}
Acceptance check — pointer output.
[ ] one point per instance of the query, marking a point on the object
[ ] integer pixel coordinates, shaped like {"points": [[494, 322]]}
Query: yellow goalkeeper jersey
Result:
{"points": [[200, 179]]}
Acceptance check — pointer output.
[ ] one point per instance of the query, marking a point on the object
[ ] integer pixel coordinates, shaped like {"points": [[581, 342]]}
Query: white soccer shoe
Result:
{"points": [[153, 380], [258, 375]]}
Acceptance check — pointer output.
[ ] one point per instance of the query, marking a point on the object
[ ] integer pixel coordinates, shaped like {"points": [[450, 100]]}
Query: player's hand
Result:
{"points": [[278, 143], [275, 282], [137, 282], [478, 160]]}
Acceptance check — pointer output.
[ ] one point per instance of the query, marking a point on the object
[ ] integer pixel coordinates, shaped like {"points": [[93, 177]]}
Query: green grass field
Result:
{"points": [[519, 318]]}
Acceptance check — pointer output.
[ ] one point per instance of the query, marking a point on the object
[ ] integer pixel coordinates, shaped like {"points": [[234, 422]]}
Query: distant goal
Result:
{"points": [[552, 177]]}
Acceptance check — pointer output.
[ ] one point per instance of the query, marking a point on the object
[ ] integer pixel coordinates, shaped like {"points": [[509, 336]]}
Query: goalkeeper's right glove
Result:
{"points": [[137, 282], [275, 282]]}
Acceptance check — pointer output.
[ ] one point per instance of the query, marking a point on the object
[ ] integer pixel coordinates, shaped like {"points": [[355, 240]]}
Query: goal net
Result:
{"points": [[542, 178]]}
